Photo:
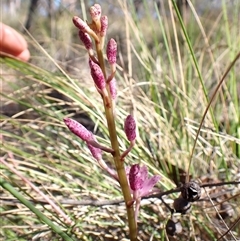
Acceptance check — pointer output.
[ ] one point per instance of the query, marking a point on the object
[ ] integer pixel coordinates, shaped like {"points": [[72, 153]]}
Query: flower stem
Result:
{"points": [[119, 164]]}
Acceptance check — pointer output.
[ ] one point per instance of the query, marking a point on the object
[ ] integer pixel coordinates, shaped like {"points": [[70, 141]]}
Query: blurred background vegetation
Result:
{"points": [[158, 81]]}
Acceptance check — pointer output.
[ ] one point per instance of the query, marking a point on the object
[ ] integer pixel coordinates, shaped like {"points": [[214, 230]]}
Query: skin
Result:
{"points": [[13, 43]]}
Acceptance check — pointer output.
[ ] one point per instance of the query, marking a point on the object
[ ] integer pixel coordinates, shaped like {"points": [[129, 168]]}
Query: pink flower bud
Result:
{"points": [[78, 129], [95, 12], [98, 8], [130, 128], [83, 26], [97, 75], [113, 88], [104, 25], [85, 38], [80, 24], [112, 51]]}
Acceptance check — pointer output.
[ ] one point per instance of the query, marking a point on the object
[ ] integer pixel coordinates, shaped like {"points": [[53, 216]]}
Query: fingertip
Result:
{"points": [[24, 55], [13, 43]]}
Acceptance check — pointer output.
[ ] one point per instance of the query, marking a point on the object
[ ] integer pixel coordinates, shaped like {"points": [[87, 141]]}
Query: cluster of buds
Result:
{"points": [[137, 176], [96, 30]]}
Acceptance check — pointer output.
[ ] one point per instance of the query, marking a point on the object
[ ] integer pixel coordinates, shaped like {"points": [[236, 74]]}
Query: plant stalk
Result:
{"points": [[119, 164]]}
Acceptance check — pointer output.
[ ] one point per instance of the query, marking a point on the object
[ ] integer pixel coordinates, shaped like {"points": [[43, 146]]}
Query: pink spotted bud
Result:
{"points": [[98, 8], [130, 128], [86, 40], [83, 26], [113, 88], [112, 51], [95, 12], [104, 25], [78, 129], [97, 75], [80, 24]]}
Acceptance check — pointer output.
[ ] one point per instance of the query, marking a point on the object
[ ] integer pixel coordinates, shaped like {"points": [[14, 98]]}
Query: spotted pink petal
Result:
{"points": [[78, 129], [149, 184], [143, 172], [130, 128]]}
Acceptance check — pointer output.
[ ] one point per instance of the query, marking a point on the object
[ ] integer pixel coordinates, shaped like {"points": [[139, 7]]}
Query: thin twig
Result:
{"points": [[229, 230], [99, 203]]}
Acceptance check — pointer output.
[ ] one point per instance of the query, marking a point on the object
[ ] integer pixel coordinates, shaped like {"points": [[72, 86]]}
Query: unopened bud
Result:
{"points": [[97, 75], [78, 129], [83, 26], [86, 40], [95, 12], [130, 128], [104, 25], [112, 51], [80, 24]]}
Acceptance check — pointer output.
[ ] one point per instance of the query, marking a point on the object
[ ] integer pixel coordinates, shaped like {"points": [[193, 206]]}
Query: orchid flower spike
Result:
{"points": [[140, 184]]}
